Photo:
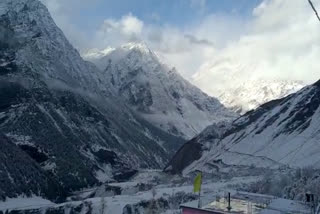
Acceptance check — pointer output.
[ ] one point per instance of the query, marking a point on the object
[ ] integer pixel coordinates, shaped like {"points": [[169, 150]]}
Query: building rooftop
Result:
{"points": [[248, 203]]}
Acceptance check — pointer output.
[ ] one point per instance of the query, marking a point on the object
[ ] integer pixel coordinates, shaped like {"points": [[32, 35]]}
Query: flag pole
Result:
{"points": [[199, 202]]}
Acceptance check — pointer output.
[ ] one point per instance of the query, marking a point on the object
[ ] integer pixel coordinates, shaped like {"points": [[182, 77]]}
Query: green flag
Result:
{"points": [[197, 183]]}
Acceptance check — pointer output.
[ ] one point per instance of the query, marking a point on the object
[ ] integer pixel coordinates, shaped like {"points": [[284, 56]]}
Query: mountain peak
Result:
{"points": [[95, 53], [140, 46], [138, 52], [158, 93], [20, 5], [250, 95]]}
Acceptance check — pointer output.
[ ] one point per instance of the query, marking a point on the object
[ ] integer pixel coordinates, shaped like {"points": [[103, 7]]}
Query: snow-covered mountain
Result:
{"points": [[280, 133], [242, 86], [251, 94], [59, 115], [158, 93]]}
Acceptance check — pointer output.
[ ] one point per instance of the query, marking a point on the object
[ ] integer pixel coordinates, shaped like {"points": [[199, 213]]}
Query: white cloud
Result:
{"points": [[62, 11], [198, 4], [131, 25], [185, 49], [116, 32], [281, 42]]}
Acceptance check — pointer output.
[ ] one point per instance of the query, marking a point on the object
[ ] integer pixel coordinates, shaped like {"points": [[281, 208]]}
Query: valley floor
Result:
{"points": [[167, 192], [152, 191]]}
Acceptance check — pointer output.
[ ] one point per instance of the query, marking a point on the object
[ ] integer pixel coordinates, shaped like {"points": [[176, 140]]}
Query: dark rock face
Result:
{"points": [[105, 156], [193, 149], [20, 174], [34, 153], [188, 153]]}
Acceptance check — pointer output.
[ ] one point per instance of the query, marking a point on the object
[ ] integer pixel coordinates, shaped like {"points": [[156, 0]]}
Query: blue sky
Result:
{"points": [[173, 12]]}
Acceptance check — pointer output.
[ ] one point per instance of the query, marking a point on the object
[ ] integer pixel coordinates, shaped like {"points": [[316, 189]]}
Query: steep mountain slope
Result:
{"points": [[158, 93], [251, 94], [58, 111], [23, 174], [279, 133]]}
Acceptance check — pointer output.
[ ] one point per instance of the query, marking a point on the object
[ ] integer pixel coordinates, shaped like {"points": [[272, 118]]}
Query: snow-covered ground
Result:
{"points": [[167, 192], [116, 204], [25, 203]]}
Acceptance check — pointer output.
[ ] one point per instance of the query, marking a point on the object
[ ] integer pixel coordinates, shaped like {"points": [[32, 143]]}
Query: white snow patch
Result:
{"points": [[49, 166], [104, 174], [41, 108], [22, 203], [20, 139], [3, 64]]}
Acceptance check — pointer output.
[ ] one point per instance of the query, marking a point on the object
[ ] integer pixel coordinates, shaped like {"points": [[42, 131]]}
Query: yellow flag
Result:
{"points": [[197, 183]]}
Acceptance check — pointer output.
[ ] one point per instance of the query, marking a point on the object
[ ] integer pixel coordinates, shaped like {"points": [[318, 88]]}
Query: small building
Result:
{"points": [[245, 203]]}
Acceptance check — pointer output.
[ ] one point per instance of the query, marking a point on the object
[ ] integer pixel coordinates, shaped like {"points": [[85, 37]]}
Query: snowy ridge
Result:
{"points": [[251, 94], [96, 54], [158, 93], [280, 133], [243, 86]]}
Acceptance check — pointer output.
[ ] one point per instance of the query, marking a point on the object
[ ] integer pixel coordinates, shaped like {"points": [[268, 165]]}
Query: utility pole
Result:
{"points": [[102, 205], [199, 202]]}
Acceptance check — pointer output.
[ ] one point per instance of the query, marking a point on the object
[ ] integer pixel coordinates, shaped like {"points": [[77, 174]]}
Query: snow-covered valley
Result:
{"points": [[137, 196], [152, 191], [119, 131]]}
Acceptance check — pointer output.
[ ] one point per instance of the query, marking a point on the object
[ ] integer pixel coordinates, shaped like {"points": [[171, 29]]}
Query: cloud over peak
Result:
{"points": [[116, 32], [279, 40]]}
